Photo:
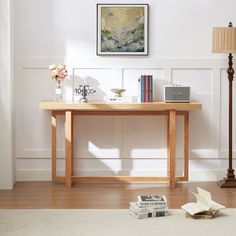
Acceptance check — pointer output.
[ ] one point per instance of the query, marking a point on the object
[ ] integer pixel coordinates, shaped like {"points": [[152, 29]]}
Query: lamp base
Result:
{"points": [[227, 183]]}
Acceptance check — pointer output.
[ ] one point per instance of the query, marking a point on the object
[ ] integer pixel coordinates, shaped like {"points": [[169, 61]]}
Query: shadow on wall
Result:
{"points": [[100, 140], [199, 132], [93, 83]]}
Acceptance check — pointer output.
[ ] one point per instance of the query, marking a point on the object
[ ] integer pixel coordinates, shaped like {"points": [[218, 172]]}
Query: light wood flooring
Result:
{"points": [[101, 196]]}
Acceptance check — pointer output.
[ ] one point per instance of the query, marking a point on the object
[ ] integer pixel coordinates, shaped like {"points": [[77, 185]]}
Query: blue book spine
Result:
{"points": [[142, 88]]}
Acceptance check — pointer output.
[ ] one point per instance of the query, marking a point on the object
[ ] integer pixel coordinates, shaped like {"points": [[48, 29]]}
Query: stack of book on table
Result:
{"points": [[149, 206], [146, 88]]}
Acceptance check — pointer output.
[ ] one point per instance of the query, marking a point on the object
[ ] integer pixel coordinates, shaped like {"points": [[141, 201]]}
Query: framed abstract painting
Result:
{"points": [[122, 29]]}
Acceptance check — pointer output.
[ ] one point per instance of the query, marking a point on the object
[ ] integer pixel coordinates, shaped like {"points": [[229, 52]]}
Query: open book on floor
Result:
{"points": [[205, 207]]}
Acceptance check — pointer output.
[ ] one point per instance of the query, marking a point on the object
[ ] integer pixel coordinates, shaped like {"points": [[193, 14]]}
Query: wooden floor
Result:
{"points": [[101, 196]]}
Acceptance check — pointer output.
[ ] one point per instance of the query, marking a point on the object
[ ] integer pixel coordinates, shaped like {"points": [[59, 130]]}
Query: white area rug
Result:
{"points": [[99, 222]]}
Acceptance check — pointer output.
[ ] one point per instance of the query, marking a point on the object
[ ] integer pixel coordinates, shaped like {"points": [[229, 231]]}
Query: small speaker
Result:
{"points": [[176, 93]]}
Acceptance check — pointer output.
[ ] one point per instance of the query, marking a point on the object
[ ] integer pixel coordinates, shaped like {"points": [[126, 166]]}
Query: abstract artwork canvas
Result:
{"points": [[122, 29]]}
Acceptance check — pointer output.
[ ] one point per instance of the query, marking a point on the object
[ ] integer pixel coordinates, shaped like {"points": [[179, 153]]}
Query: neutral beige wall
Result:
{"points": [[7, 171]]}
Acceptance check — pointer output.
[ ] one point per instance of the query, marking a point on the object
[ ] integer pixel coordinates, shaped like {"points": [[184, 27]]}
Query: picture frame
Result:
{"points": [[122, 29]]}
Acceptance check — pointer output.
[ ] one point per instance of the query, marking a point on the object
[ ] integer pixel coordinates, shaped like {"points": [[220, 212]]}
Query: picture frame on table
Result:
{"points": [[122, 29]]}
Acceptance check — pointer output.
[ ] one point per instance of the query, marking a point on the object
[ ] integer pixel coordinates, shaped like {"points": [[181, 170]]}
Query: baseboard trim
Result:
{"points": [[45, 175]]}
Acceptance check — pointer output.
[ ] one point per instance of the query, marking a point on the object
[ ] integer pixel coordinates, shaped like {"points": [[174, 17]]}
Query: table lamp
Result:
{"points": [[224, 41]]}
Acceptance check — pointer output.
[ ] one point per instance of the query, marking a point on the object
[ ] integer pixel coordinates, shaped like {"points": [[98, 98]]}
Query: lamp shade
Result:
{"points": [[224, 40]]}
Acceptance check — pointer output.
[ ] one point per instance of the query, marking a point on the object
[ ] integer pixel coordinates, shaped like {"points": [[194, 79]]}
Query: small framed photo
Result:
{"points": [[122, 29]]}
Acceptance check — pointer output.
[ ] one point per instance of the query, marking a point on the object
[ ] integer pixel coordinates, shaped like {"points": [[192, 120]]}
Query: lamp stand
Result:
{"points": [[230, 180]]}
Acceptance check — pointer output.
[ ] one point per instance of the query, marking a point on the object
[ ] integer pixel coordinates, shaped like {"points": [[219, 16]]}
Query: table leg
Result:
{"points": [[54, 145], [168, 149], [69, 147], [172, 147], [186, 144]]}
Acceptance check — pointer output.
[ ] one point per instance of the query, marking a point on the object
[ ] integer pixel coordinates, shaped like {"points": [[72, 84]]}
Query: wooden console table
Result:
{"points": [[129, 109]]}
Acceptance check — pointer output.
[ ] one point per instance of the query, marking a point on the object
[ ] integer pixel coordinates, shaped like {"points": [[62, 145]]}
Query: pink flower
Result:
{"points": [[58, 72], [61, 72]]}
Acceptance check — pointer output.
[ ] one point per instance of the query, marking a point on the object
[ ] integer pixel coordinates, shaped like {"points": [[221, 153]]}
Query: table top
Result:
{"points": [[104, 106]]}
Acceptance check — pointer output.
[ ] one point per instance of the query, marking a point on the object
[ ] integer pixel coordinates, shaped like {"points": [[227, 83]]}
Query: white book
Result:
{"points": [[151, 200], [133, 207], [204, 203], [148, 214]]}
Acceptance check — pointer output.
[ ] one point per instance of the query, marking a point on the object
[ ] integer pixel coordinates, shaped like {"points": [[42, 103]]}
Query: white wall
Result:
{"points": [[7, 165], [53, 31], [60, 28]]}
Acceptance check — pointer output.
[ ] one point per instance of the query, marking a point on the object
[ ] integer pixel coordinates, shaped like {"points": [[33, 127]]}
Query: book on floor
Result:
{"points": [[139, 209], [148, 206], [148, 214], [151, 200], [205, 207]]}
